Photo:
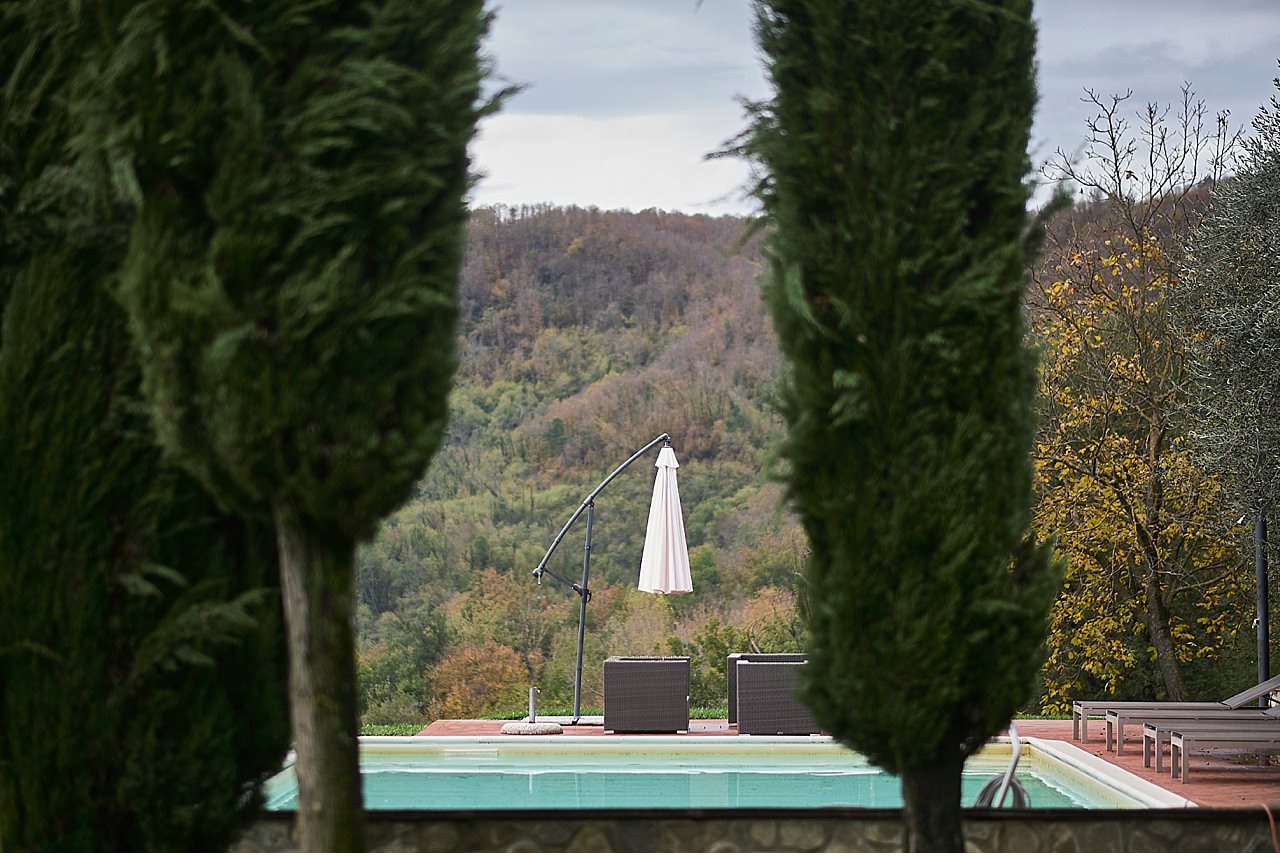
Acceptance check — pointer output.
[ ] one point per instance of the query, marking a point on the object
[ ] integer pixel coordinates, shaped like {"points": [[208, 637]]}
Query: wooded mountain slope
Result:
{"points": [[586, 334]]}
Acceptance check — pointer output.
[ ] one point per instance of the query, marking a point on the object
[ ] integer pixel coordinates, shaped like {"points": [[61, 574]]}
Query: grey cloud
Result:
{"points": [[625, 57], [610, 59]]}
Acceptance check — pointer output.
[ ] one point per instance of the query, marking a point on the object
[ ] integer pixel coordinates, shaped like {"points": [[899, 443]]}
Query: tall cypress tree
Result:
{"points": [[142, 688], [300, 172], [894, 157]]}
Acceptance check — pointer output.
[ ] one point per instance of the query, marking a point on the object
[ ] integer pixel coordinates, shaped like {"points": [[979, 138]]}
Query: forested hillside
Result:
{"points": [[585, 335]]}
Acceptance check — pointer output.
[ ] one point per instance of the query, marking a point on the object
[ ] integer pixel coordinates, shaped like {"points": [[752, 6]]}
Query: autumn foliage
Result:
{"points": [[1153, 580], [548, 403], [1155, 594], [584, 334], [473, 678]]}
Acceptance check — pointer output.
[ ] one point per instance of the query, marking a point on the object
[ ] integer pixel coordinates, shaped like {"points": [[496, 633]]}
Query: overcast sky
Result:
{"points": [[624, 98]]}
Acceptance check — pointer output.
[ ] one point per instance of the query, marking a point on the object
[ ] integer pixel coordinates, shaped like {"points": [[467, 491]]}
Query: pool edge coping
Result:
{"points": [[1142, 790]]}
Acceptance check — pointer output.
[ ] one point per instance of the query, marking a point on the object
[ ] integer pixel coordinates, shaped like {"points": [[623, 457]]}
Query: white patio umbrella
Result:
{"points": [[664, 566], [588, 506]]}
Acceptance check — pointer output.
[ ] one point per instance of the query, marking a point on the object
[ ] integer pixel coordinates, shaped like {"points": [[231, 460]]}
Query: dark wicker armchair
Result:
{"points": [[731, 672], [767, 702], [646, 695]]}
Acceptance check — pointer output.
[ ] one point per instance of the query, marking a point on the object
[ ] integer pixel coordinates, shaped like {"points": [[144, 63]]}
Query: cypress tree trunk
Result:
{"points": [[316, 579], [930, 796]]}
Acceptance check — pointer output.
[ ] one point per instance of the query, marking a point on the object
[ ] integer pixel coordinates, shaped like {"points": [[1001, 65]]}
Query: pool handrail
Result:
{"points": [[1013, 765]]}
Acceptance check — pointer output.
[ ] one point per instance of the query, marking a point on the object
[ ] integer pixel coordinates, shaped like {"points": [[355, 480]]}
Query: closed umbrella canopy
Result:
{"points": [[664, 566]]}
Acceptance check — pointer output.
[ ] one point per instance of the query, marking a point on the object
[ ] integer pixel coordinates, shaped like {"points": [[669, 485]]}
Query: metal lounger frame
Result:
{"points": [[1118, 719], [1182, 744], [1155, 734]]}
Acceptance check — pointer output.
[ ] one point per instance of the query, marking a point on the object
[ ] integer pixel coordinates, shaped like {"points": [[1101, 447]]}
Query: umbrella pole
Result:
{"points": [[588, 506], [585, 594], [1263, 618]]}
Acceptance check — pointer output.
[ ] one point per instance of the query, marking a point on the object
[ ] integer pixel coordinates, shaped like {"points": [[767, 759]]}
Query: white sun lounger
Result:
{"points": [[1118, 719], [1082, 710]]}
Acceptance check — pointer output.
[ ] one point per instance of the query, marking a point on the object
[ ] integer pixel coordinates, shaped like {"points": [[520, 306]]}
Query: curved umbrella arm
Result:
{"points": [[541, 568]]}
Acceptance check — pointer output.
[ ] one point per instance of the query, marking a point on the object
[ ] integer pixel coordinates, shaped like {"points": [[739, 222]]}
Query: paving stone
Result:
{"points": [[763, 834], [801, 835], [590, 839]]}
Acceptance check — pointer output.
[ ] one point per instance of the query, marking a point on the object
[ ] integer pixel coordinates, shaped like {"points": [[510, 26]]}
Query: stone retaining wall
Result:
{"points": [[854, 830]]}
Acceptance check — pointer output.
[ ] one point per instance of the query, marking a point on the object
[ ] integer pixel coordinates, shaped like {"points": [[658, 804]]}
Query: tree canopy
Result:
{"points": [[1154, 580], [1229, 305]]}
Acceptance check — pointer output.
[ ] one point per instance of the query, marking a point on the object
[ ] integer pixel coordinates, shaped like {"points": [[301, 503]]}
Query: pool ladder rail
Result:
{"points": [[994, 791]]}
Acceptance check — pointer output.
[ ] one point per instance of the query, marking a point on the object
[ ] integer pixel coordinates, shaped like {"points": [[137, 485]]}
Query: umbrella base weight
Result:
{"points": [[537, 728]]}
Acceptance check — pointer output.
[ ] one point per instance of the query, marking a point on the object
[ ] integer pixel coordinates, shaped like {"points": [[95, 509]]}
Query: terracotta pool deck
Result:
{"points": [[1215, 782]]}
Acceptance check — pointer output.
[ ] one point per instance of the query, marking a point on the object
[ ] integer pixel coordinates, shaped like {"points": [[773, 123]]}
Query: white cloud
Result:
{"points": [[634, 162]]}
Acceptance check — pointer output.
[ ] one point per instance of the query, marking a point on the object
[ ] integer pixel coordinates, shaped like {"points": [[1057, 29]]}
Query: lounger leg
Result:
{"points": [[1119, 736], [1075, 724], [1110, 736], [1146, 749]]}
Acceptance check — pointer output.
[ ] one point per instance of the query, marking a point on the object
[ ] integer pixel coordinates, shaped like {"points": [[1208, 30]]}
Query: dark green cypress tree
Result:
{"points": [[894, 158], [300, 172], [142, 688]]}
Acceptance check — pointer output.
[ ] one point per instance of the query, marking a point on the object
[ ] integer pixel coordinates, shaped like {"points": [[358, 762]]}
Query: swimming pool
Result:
{"points": [[504, 773]]}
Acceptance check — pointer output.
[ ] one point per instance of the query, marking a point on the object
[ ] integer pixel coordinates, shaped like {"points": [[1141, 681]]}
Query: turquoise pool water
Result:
{"points": [[457, 774]]}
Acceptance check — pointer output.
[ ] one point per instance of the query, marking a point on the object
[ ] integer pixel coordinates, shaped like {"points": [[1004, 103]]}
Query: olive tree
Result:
{"points": [[1229, 308]]}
